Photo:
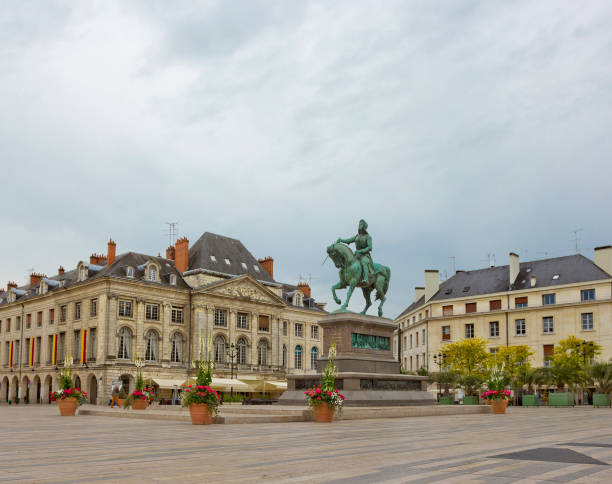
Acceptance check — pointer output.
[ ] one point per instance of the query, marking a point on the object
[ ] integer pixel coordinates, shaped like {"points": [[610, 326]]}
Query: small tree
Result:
{"points": [[567, 362], [515, 361], [467, 357], [600, 374]]}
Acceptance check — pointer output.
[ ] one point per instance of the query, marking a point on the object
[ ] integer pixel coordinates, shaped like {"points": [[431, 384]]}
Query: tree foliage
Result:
{"points": [[514, 359], [568, 361], [467, 357]]}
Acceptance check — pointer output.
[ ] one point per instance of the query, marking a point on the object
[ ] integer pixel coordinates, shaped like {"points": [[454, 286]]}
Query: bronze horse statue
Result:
{"points": [[351, 276]]}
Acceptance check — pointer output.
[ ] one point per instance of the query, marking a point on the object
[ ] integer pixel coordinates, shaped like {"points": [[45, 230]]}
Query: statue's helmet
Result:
{"points": [[363, 224]]}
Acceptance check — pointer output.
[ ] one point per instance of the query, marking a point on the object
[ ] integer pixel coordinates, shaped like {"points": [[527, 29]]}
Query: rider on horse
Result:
{"points": [[363, 244]]}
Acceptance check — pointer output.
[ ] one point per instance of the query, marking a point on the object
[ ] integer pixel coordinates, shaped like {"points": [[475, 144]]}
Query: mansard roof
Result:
{"points": [[552, 272], [225, 255]]}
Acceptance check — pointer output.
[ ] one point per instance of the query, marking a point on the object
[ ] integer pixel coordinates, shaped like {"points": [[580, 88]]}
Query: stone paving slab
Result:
{"points": [[40, 446]]}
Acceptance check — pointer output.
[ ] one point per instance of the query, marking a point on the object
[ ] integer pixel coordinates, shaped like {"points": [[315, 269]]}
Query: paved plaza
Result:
{"points": [[525, 445]]}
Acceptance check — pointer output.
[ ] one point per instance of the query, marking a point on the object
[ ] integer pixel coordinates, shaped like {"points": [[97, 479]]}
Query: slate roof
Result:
{"points": [[570, 269], [308, 302], [116, 269], [222, 248]]}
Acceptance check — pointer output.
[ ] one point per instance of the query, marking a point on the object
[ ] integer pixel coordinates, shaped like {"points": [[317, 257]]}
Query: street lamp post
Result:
{"points": [[230, 350], [439, 360], [582, 347]]}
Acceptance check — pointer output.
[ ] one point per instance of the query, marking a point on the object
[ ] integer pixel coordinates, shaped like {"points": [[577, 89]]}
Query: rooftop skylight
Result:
{"points": [[213, 258]]}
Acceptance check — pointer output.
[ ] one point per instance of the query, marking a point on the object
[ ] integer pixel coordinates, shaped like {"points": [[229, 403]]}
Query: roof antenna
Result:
{"points": [[576, 238], [172, 231]]}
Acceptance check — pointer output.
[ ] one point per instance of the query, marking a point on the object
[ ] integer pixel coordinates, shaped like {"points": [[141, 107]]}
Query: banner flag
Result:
{"points": [[54, 350], [83, 345], [32, 351]]}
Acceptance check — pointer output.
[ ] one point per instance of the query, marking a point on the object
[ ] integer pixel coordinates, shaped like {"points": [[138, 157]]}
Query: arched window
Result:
{"points": [[152, 273], [173, 279], [262, 352], [151, 346], [298, 357], [220, 349], [314, 355], [284, 356], [176, 355], [124, 348], [129, 271], [242, 351]]}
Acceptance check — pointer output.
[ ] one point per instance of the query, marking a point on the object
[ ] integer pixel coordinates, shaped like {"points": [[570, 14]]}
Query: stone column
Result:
{"points": [[165, 343], [139, 324], [101, 329], [275, 330], [231, 327], [290, 349], [210, 308], [254, 329], [110, 335]]}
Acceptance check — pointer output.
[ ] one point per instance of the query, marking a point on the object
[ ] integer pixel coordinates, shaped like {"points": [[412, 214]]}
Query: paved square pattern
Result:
{"points": [[39, 446]]}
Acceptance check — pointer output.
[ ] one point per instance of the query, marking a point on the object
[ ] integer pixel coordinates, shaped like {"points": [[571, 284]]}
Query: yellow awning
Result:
{"points": [[168, 383], [222, 384], [267, 386]]}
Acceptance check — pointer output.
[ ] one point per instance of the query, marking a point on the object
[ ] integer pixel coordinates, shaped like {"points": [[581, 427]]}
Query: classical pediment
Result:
{"points": [[243, 287]]}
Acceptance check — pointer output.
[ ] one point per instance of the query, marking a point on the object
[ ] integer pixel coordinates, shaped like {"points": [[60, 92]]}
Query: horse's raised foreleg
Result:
{"points": [[366, 294], [348, 297], [339, 285]]}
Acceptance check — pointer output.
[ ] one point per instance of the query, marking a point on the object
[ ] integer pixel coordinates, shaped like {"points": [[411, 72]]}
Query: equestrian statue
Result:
{"points": [[358, 270]]}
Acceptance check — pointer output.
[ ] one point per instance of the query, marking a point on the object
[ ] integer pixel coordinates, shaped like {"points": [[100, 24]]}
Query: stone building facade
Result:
{"points": [[535, 303], [106, 312]]}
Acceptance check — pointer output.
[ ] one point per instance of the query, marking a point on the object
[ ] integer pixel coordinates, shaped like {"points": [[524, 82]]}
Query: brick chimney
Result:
{"points": [[60, 270], [35, 278], [11, 285], [268, 265], [305, 288], [112, 252], [181, 254], [171, 253], [97, 259]]}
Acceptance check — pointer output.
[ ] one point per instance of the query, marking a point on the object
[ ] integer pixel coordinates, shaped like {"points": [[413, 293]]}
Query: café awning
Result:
{"points": [[168, 383]]}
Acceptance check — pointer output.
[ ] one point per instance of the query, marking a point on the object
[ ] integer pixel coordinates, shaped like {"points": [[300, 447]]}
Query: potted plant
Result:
{"points": [[445, 379], [141, 396], [203, 401], [471, 385], [324, 399], [601, 375], [497, 396], [67, 397], [122, 396]]}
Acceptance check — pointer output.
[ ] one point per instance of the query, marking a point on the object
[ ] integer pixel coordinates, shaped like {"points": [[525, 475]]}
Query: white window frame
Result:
{"points": [[152, 312], [548, 325], [522, 327], [494, 329], [221, 318], [588, 320]]}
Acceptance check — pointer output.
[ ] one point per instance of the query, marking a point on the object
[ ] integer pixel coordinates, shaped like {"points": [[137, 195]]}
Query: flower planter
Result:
{"points": [[67, 407], [601, 400], [199, 414], [139, 404], [470, 400], [323, 412], [561, 399], [498, 405], [530, 401], [447, 400]]}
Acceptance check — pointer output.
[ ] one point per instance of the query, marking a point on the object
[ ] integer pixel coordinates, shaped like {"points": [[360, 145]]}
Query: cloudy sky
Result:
{"points": [[455, 128]]}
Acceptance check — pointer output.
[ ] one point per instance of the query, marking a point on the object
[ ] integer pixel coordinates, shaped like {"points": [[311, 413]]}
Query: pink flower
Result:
{"points": [[318, 390], [318, 398]]}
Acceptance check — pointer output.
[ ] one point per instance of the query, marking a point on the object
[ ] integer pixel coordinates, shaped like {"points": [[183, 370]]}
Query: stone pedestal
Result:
{"points": [[368, 374]]}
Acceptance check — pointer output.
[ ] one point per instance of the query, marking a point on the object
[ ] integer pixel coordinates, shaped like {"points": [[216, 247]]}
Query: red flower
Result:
{"points": [[318, 398]]}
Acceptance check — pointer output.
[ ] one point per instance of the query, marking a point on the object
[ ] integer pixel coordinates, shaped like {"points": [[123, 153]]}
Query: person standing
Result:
{"points": [[115, 395]]}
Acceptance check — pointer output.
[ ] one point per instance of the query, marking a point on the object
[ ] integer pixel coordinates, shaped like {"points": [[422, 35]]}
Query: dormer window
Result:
{"points": [[173, 279], [297, 299], [227, 261], [244, 266], [83, 274], [213, 258], [129, 271], [152, 274], [256, 268]]}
